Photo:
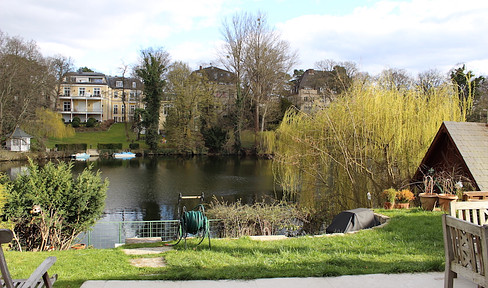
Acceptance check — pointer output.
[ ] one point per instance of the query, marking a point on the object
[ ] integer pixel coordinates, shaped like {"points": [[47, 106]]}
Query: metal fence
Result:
{"points": [[109, 234]]}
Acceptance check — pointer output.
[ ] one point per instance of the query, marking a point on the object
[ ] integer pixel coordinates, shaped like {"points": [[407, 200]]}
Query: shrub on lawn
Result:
{"points": [[49, 207], [260, 218]]}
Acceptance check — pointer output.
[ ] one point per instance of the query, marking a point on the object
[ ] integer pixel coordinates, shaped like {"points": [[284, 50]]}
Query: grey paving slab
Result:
{"points": [[431, 280]]}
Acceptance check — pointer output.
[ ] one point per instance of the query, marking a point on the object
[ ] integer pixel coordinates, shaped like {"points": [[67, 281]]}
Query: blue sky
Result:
{"points": [[415, 35]]}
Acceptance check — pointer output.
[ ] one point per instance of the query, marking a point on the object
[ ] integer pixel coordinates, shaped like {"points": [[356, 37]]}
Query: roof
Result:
{"points": [[215, 74], [112, 81], [464, 144], [19, 133]]}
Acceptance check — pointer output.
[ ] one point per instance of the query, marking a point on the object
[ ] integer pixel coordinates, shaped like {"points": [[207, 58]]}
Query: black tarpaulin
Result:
{"points": [[352, 220]]}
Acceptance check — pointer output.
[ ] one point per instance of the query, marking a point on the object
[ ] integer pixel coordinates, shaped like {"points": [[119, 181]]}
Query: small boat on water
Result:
{"points": [[81, 156], [124, 155]]}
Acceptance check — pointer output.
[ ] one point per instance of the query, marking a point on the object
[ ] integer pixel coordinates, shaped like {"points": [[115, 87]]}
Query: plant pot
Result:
{"points": [[402, 205], [428, 200], [445, 201], [388, 205]]}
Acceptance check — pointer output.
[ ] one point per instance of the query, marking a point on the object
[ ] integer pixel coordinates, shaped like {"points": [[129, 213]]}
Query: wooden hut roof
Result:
{"points": [[463, 145], [19, 133]]}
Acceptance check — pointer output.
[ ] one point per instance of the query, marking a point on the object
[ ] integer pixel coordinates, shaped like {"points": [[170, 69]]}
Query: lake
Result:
{"points": [[145, 189]]}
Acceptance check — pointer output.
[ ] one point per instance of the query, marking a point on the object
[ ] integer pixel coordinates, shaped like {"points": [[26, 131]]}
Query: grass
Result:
{"points": [[116, 134], [411, 242]]}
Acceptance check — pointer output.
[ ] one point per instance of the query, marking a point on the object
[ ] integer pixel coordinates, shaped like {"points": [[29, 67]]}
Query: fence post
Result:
{"points": [[120, 232]]}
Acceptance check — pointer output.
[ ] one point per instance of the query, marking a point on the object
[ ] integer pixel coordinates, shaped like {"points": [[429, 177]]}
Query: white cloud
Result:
{"points": [[416, 35], [101, 33]]}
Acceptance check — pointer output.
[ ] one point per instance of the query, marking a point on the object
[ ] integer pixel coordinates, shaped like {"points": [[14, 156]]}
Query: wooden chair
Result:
{"points": [[475, 212], [40, 277], [466, 251]]}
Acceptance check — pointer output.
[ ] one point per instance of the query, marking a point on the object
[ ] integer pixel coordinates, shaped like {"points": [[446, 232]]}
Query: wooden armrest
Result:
{"points": [[40, 271]]}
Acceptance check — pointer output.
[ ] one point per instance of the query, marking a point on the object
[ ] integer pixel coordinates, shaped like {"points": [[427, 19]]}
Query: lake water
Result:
{"points": [[148, 188]]}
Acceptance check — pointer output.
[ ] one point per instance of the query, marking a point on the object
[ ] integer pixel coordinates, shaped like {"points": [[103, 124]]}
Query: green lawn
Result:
{"points": [[116, 134], [411, 242]]}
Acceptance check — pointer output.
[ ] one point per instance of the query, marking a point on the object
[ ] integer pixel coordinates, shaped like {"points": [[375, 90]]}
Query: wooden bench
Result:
{"points": [[40, 277], [475, 212], [475, 196], [466, 251]]}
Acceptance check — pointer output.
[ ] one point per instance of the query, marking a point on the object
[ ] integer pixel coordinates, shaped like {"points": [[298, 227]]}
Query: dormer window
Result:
{"points": [[119, 84], [134, 85]]}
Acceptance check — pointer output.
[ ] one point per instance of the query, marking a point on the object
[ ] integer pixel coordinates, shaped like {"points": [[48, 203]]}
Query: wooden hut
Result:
{"points": [[19, 141], [459, 149]]}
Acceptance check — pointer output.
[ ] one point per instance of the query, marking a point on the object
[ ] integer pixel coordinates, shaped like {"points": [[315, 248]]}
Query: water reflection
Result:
{"points": [[148, 188]]}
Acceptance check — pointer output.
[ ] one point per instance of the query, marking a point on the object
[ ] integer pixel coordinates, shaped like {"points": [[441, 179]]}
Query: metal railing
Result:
{"points": [[107, 234]]}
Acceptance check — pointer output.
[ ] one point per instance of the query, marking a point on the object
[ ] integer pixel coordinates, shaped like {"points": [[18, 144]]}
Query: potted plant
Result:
{"points": [[428, 199], [448, 194], [389, 196], [403, 198]]}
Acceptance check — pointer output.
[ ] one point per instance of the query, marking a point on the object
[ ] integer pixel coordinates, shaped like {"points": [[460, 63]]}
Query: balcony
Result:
{"points": [[81, 97]]}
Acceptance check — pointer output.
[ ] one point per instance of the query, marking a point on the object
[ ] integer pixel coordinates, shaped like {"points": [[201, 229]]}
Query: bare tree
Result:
{"points": [[430, 79], [231, 57], [267, 60], [58, 66], [260, 59], [395, 79], [25, 82]]}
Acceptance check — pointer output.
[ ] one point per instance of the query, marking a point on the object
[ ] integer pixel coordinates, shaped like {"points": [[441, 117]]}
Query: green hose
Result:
{"points": [[194, 222]]}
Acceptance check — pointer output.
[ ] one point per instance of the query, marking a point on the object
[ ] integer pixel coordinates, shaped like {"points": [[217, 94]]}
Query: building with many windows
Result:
{"points": [[94, 95], [82, 95], [125, 95]]}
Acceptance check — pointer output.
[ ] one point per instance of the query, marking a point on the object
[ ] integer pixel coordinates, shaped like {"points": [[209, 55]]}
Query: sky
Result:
{"points": [[105, 35]]}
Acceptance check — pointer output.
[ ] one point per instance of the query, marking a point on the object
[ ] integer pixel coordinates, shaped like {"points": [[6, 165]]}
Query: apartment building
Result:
{"points": [[225, 87], [83, 95], [311, 92], [125, 95], [94, 95]]}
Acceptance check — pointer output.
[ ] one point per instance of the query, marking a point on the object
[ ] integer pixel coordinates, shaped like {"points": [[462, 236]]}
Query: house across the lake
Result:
{"points": [[19, 141]]}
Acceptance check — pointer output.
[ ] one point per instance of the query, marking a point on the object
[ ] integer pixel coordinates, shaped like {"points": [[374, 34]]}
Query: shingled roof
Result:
{"points": [[462, 145], [19, 133]]}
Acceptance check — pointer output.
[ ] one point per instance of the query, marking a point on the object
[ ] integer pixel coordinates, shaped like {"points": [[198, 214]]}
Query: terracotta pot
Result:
{"points": [[402, 205], [388, 205], [428, 200], [445, 200]]}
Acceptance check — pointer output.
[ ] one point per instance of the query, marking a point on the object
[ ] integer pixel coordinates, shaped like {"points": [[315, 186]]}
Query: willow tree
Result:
{"points": [[369, 139]]}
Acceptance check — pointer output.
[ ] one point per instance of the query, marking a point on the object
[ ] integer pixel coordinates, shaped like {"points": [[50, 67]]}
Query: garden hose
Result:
{"points": [[193, 222]]}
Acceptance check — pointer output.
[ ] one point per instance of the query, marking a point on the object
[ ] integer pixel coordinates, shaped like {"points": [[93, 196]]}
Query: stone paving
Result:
{"points": [[154, 262]]}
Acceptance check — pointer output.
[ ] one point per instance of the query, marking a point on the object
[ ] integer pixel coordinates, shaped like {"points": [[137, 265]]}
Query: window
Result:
{"points": [[66, 106], [134, 85], [123, 109], [166, 108], [132, 109], [81, 91], [132, 95], [96, 92], [118, 84], [116, 94], [116, 109], [67, 91]]}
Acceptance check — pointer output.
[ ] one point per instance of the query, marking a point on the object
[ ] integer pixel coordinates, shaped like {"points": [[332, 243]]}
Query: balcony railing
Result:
{"points": [[92, 97]]}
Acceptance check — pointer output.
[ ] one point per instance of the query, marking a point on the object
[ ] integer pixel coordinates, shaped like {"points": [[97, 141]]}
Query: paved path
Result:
{"points": [[430, 280]]}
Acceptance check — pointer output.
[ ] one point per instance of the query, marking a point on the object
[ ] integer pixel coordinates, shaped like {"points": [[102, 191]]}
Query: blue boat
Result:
{"points": [[124, 155], [81, 156]]}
